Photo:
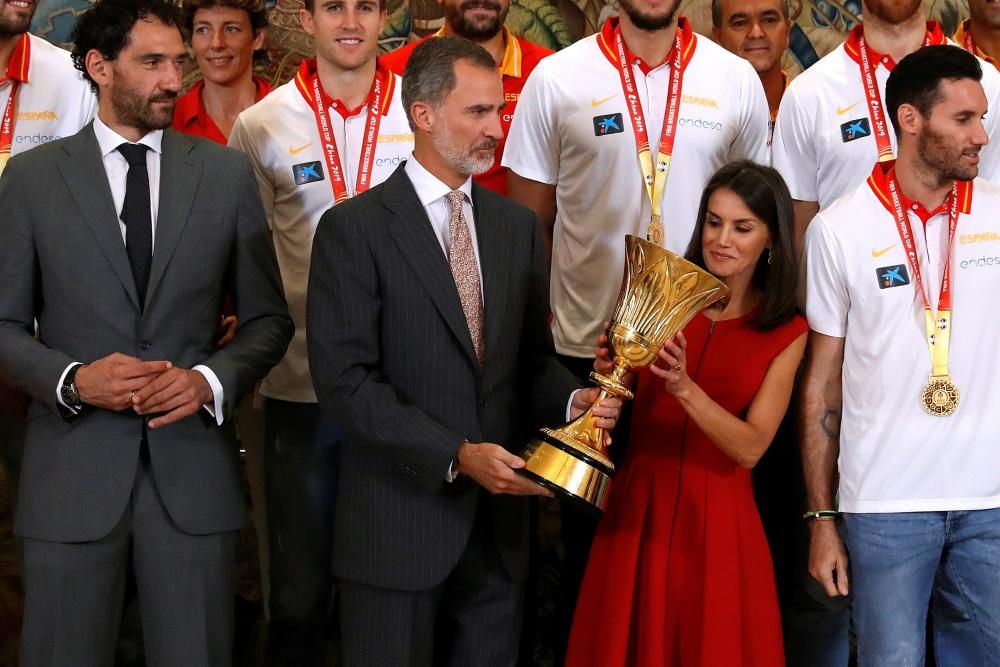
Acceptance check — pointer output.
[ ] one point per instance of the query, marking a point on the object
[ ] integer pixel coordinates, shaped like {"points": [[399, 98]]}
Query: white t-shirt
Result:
{"points": [[281, 140], [572, 129], [824, 144], [55, 101], [895, 457]]}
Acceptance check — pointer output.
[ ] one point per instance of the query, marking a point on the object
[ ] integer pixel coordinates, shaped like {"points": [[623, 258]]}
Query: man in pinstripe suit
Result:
{"points": [[429, 344]]}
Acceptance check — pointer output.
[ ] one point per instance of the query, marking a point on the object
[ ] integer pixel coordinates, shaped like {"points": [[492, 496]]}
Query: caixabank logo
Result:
{"points": [[855, 129], [892, 276], [307, 172], [608, 124]]}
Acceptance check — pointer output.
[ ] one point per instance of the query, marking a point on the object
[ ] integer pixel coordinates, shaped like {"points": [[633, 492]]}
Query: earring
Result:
{"points": [[769, 256]]}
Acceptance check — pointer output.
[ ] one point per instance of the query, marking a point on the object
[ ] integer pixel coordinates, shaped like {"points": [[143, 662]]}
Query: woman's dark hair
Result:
{"points": [[106, 27], [764, 192]]}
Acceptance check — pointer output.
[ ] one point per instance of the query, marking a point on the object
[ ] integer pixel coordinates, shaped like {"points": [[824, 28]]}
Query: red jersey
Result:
{"points": [[190, 116], [519, 58]]}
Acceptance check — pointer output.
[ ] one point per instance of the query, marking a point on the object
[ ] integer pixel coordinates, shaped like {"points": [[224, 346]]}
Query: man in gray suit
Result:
{"points": [[121, 242], [429, 344]]}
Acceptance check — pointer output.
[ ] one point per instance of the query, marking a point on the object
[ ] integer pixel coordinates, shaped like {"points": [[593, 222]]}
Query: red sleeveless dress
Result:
{"points": [[680, 573]]}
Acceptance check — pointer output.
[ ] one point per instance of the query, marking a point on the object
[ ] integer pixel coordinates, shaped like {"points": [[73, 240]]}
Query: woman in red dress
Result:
{"points": [[680, 572]]}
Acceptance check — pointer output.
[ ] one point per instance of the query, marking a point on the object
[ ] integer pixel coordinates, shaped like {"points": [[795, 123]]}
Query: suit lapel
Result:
{"points": [[413, 234], [494, 256], [180, 173], [87, 181]]}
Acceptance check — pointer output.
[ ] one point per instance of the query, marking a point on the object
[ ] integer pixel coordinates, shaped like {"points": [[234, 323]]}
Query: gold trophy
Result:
{"points": [[660, 293]]}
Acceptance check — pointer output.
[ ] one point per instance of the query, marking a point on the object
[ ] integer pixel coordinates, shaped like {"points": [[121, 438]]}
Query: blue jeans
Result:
{"points": [[301, 463], [903, 564]]}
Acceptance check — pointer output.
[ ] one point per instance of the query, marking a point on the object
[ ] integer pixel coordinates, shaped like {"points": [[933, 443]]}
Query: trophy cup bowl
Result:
{"points": [[660, 293]]}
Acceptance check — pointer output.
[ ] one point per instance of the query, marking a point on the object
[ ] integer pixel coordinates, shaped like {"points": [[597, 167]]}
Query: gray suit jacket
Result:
{"points": [[392, 360], [63, 263]]}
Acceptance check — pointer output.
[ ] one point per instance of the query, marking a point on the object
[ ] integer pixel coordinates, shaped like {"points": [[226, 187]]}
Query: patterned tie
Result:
{"points": [[462, 259], [137, 217]]}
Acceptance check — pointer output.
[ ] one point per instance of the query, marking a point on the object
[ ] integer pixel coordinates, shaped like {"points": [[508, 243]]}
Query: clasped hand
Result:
{"points": [[118, 382]]}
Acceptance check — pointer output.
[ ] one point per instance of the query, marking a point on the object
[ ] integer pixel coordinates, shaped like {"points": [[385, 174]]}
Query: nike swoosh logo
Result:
{"points": [[842, 110], [879, 253], [296, 151], [597, 103]]}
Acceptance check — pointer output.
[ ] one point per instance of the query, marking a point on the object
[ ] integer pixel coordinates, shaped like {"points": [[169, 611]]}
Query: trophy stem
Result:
{"points": [[584, 435], [614, 384]]}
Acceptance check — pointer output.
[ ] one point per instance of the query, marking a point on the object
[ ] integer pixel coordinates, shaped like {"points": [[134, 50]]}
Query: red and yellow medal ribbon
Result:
{"points": [[937, 323], [654, 176], [312, 89]]}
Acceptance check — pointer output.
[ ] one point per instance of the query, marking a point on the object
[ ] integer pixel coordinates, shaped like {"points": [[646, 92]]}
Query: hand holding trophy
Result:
{"points": [[660, 293]]}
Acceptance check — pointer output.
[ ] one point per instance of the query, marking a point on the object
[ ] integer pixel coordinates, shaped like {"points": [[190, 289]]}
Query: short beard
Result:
{"points": [[135, 111], [645, 21], [476, 32], [13, 27], [893, 15], [460, 158], [935, 152]]}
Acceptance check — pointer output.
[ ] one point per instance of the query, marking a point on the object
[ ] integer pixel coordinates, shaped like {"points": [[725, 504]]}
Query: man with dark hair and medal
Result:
{"points": [[900, 379]]}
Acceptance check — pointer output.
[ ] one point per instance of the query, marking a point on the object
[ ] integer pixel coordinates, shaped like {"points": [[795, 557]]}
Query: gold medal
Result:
{"points": [[654, 233], [940, 396]]}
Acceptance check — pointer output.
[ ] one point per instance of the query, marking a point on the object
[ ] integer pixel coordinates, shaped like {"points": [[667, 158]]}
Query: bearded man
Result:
{"points": [[481, 21], [429, 344], [121, 241]]}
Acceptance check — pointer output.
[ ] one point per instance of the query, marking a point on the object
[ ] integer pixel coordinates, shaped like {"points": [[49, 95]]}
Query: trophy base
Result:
{"points": [[568, 470]]}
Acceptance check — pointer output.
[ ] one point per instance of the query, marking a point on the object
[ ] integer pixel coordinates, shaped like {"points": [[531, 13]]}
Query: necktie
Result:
{"points": [[462, 259], [137, 217]]}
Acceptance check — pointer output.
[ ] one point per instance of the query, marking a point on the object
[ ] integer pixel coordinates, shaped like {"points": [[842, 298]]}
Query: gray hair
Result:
{"points": [[786, 11], [430, 71]]}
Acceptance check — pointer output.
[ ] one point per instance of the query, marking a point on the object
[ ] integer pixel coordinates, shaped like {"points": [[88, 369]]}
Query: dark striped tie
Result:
{"points": [[137, 217]]}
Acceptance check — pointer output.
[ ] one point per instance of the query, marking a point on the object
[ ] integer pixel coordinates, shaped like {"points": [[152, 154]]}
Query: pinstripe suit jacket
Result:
{"points": [[392, 360]]}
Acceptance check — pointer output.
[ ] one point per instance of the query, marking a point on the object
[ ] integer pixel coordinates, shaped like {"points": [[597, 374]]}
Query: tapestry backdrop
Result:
{"points": [[819, 25]]}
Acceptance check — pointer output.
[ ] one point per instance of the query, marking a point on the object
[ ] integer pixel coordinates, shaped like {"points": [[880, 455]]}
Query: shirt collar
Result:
{"points": [[429, 188], [883, 172], [304, 82], [511, 63], [934, 36], [191, 107], [607, 36], [109, 140], [784, 87], [20, 61]]}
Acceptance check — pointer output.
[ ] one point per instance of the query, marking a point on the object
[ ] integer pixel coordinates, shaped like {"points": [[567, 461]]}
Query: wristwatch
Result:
{"points": [[68, 392]]}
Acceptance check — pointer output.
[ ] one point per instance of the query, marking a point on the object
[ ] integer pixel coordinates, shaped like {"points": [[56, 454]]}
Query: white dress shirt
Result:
{"points": [[117, 170], [433, 196]]}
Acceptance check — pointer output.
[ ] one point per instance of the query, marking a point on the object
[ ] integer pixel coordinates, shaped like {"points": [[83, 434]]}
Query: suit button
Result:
{"points": [[145, 345], [483, 403]]}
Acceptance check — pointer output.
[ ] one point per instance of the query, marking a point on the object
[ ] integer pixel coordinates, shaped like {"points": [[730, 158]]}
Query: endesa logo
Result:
{"points": [[701, 123], [984, 262], [35, 139], [390, 161]]}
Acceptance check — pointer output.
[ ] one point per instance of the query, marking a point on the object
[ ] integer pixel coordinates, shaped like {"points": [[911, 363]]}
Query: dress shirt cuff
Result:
{"points": [[62, 378], [569, 405], [452, 473], [214, 408]]}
